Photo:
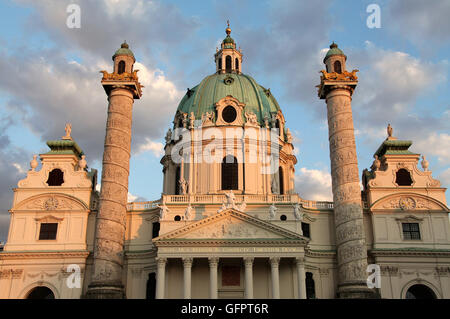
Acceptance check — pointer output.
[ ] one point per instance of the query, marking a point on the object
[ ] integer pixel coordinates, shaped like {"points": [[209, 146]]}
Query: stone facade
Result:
{"points": [[199, 240]]}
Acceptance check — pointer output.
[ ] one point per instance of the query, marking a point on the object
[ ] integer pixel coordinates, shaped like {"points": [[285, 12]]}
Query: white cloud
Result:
{"points": [[444, 177], [313, 184], [437, 145], [155, 147], [19, 168]]}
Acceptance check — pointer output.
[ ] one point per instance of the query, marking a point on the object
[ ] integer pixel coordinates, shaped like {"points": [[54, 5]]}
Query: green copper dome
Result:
{"points": [[228, 39], [202, 98], [124, 50], [334, 50]]}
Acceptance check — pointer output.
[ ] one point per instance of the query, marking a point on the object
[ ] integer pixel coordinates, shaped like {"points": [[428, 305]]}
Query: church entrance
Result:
{"points": [[41, 293], [420, 292]]}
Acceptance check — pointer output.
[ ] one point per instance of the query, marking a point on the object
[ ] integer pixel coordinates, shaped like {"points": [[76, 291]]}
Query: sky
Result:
{"points": [[50, 76]]}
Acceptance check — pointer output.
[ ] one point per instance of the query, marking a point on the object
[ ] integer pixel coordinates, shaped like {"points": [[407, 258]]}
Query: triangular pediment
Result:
{"points": [[228, 225]]}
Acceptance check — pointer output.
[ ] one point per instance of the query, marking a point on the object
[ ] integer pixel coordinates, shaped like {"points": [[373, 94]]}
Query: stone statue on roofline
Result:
{"points": [[68, 130]]}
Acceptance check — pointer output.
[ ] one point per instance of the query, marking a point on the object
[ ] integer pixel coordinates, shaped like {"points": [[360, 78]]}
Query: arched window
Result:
{"points": [[229, 173], [281, 180], [228, 64], [220, 63], [151, 286], [420, 292], [403, 177], [236, 64], [177, 180], [310, 288], [55, 177], [337, 67], [121, 67], [41, 293]]}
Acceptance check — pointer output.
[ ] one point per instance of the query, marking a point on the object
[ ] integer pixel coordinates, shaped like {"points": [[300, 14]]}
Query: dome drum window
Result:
{"points": [[229, 111]]}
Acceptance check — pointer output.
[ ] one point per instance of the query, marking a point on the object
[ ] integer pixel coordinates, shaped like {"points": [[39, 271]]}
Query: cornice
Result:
{"points": [[409, 252], [5, 255]]}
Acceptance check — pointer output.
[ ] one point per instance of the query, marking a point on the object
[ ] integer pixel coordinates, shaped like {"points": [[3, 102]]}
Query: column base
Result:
{"points": [[357, 292], [105, 291]]}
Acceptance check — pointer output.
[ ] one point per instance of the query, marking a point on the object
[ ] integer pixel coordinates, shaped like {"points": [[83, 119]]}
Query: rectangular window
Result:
{"points": [[411, 231], [306, 230], [155, 230], [48, 231]]}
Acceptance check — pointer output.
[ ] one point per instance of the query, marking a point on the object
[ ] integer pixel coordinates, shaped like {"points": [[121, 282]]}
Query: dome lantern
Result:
{"points": [[228, 59]]}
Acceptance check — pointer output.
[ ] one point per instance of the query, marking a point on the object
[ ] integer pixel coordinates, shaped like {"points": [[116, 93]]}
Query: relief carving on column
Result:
{"points": [[350, 192], [345, 174], [353, 271], [352, 250], [341, 140], [349, 231]]}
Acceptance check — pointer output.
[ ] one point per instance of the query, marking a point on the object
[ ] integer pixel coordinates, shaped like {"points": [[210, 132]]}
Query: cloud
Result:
{"points": [[73, 94], [421, 21], [288, 51], [155, 147], [313, 184], [390, 83], [444, 177], [145, 24], [437, 145]]}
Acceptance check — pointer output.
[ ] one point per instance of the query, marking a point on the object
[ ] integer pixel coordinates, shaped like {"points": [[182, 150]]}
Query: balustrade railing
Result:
{"points": [[220, 198]]}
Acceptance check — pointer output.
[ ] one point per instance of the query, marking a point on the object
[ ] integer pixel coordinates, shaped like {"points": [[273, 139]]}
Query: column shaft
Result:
{"points": [[187, 266], [161, 277], [111, 217], [348, 215], [301, 278], [274, 265], [248, 277], [213, 262]]}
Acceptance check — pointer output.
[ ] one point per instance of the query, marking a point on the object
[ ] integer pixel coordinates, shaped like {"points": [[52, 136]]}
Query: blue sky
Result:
{"points": [[50, 77]]}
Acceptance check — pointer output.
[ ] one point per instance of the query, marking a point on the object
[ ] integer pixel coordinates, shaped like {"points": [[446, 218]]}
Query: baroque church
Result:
{"points": [[229, 223]]}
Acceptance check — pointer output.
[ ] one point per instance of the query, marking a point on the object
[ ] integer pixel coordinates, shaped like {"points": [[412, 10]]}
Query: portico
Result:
{"points": [[265, 246]]}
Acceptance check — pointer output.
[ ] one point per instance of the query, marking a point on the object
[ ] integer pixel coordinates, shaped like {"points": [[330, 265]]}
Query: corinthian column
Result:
{"points": [[337, 87], [122, 87]]}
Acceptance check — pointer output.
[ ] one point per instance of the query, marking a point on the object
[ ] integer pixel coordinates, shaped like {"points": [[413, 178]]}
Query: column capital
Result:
{"points": [[248, 261], [187, 261], [300, 260], [213, 261], [274, 261], [161, 261]]}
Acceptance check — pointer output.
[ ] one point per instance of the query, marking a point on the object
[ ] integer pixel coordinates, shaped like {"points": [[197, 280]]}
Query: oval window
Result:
{"points": [[229, 114]]}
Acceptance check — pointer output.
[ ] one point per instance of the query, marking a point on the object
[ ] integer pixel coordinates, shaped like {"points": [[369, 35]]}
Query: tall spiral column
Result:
{"points": [[336, 87], [122, 87]]}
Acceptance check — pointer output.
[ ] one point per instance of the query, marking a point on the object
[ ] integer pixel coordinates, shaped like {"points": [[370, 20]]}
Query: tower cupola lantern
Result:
{"points": [[228, 58], [335, 59], [123, 59]]}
